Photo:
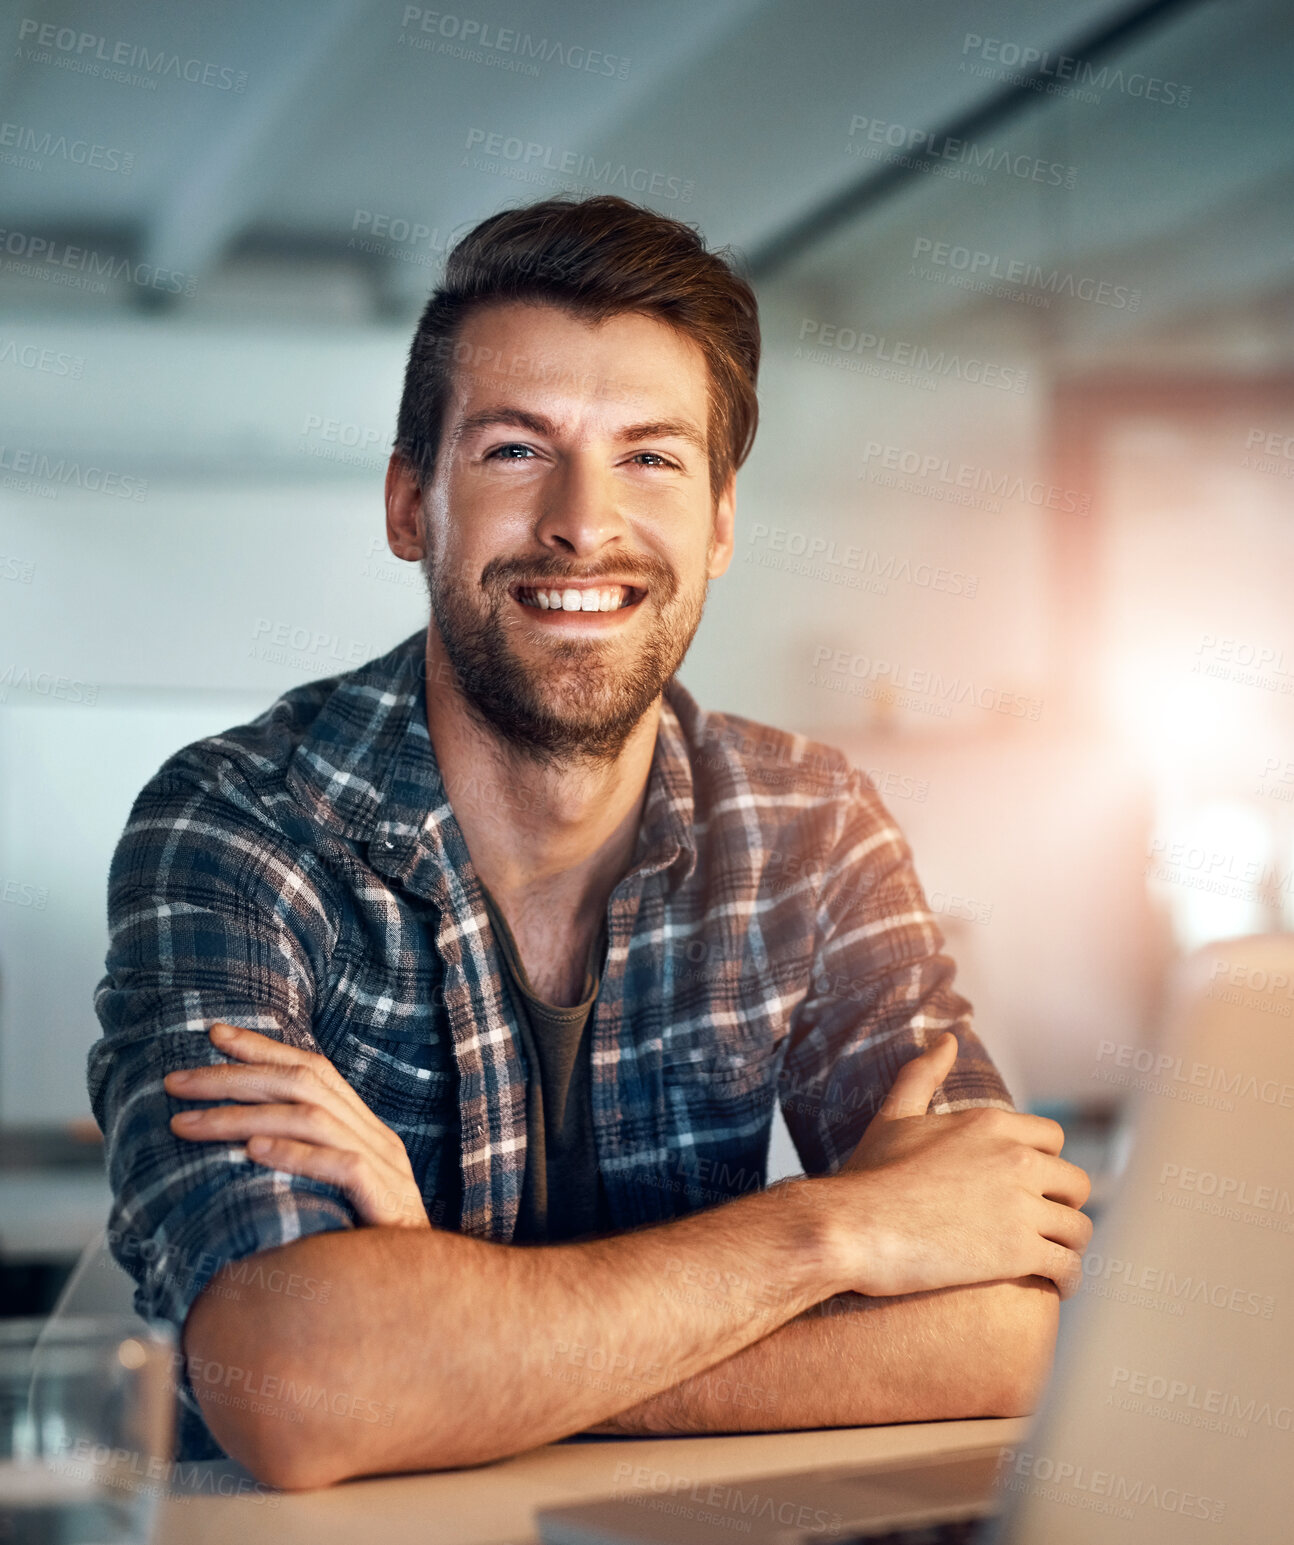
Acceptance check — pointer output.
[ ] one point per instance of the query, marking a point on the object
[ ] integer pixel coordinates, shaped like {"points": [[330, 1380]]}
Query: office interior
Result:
{"points": [[1015, 534]]}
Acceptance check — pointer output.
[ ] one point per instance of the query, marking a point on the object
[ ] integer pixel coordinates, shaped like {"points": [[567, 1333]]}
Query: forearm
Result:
{"points": [[464, 1346], [974, 1351]]}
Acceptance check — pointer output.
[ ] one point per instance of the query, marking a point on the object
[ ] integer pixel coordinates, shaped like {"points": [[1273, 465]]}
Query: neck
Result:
{"points": [[538, 831]]}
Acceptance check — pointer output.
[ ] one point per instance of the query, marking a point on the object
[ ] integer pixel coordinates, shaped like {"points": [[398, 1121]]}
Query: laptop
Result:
{"points": [[1170, 1410]]}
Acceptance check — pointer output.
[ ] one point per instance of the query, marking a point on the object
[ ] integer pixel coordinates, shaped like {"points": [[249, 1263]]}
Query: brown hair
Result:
{"points": [[596, 258]]}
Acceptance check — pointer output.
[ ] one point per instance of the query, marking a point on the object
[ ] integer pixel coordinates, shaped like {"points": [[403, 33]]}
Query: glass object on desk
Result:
{"points": [[87, 1414]]}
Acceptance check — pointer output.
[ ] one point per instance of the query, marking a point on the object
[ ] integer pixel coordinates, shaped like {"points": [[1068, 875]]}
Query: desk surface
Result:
{"points": [[495, 1503]]}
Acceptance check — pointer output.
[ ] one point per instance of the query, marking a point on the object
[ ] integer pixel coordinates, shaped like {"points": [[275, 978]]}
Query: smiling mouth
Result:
{"points": [[578, 598]]}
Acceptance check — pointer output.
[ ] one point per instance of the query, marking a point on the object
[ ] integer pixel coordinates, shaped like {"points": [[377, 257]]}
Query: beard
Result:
{"points": [[559, 700]]}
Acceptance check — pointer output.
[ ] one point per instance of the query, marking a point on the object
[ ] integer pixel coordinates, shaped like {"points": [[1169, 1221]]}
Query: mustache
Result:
{"points": [[649, 575]]}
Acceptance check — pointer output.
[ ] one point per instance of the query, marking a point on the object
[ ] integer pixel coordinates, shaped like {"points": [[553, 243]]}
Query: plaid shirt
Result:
{"points": [[304, 875]]}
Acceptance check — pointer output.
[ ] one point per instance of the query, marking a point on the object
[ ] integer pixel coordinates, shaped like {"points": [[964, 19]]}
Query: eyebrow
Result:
{"points": [[521, 418]]}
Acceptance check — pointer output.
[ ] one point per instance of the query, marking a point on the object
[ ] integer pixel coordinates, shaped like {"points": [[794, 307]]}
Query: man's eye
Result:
{"points": [[501, 452], [657, 458]]}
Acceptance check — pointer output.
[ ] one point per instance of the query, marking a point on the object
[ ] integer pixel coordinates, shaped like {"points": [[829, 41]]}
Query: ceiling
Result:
{"points": [[354, 138]]}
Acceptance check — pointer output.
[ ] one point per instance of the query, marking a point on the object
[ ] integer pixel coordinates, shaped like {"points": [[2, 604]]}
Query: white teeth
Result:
{"points": [[607, 599]]}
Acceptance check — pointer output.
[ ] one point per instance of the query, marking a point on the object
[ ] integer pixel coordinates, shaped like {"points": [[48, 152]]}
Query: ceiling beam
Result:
{"points": [[873, 188]]}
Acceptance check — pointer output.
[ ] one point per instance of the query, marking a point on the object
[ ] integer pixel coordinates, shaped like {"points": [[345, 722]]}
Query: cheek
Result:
{"points": [[690, 566], [484, 514]]}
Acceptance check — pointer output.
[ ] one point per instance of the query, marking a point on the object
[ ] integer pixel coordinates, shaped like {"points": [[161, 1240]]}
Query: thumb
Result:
{"points": [[912, 1090]]}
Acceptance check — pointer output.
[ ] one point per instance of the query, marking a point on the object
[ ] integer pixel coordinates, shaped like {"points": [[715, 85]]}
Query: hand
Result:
{"points": [[972, 1196], [319, 1126]]}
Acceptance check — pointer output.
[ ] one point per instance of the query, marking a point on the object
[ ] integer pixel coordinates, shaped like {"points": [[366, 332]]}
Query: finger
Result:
{"points": [[223, 1123], [250, 1081], [1039, 1132], [250, 1046], [1063, 1266], [374, 1201], [914, 1087], [309, 1125], [261, 1083], [1065, 1226], [1065, 1182]]}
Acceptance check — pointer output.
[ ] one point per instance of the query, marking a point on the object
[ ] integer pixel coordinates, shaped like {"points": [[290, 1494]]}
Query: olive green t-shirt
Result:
{"points": [[562, 1195]]}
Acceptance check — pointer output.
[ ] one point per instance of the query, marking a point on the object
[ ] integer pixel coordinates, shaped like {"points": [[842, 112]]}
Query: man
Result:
{"points": [[488, 961]]}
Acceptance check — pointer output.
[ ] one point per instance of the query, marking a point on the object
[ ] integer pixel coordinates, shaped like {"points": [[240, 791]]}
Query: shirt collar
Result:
{"points": [[365, 768]]}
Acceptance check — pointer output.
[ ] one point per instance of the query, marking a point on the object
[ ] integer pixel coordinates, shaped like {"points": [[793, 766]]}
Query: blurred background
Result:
{"points": [[1016, 533]]}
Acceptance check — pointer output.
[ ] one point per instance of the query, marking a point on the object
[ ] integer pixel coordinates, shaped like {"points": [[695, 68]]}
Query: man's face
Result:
{"points": [[574, 453]]}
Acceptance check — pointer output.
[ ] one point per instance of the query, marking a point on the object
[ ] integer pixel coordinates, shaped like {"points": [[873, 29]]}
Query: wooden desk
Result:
{"points": [[495, 1503]]}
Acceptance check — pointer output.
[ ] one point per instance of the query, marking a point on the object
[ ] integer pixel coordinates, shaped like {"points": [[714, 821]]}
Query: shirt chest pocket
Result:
{"points": [[719, 1104], [404, 1086], [393, 1050], [719, 1076]]}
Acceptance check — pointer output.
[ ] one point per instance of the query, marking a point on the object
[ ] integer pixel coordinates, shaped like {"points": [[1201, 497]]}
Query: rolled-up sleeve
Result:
{"points": [[881, 993], [211, 916]]}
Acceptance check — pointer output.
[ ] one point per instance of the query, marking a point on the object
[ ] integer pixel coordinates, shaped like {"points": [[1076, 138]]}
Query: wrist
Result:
{"points": [[819, 1243]]}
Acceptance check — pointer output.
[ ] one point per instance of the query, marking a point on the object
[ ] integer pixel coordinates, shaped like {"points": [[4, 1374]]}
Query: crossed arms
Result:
{"points": [[919, 1281]]}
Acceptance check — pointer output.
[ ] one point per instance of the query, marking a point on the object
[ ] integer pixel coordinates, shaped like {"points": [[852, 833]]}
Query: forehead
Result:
{"points": [[626, 367]]}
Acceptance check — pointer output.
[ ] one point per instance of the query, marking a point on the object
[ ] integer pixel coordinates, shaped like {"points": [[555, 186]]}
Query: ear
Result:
{"points": [[404, 534], [721, 534]]}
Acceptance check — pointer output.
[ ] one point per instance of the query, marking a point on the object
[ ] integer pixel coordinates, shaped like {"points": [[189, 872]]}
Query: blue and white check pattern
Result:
{"points": [[304, 875]]}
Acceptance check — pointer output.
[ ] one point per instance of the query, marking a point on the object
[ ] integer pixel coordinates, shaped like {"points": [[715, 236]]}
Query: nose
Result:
{"points": [[580, 514]]}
